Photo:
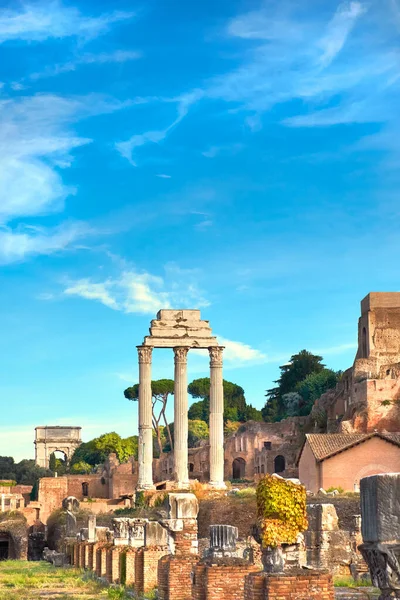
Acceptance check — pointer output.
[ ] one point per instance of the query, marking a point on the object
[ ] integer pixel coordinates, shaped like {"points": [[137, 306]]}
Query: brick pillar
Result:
{"points": [[112, 564], [88, 556], [130, 566], [81, 555], [174, 577], [101, 561]]}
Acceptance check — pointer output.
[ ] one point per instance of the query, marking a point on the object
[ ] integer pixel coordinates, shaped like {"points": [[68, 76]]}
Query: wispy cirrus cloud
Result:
{"points": [[37, 139], [291, 52], [127, 148], [24, 242], [102, 58], [133, 291], [45, 19]]}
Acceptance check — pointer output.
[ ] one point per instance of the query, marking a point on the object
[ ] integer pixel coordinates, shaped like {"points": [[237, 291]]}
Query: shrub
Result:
{"points": [[281, 507], [336, 488], [249, 492]]}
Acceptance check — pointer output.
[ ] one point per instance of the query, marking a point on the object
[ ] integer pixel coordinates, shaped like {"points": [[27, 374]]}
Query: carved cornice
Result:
{"points": [[181, 354], [144, 353], [216, 356]]}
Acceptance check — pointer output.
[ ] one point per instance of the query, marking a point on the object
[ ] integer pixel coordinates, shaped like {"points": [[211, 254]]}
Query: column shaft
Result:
{"points": [[216, 418], [181, 418], [145, 480]]}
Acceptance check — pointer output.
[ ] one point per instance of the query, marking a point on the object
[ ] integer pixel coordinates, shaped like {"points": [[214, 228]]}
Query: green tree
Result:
{"points": [[81, 468], [235, 406], [197, 430], [296, 370], [313, 386], [161, 390], [96, 451], [57, 465]]}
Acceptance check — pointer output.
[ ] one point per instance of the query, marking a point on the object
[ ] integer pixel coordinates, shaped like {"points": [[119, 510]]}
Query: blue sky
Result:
{"points": [[239, 157]]}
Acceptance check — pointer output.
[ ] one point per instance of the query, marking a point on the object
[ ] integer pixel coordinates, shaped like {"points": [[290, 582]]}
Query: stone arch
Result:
{"points": [[279, 464], [191, 467], [13, 540], [238, 468], [85, 489], [49, 439]]}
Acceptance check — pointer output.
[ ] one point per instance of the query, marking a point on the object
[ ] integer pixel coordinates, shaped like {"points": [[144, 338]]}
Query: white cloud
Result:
{"points": [[240, 352], [36, 141], [163, 176], [183, 103], [214, 151], [118, 56], [141, 293], [92, 291], [338, 30], [45, 19], [24, 242]]}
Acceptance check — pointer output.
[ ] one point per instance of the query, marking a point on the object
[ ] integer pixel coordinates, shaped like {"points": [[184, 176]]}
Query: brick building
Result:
{"points": [[341, 460]]}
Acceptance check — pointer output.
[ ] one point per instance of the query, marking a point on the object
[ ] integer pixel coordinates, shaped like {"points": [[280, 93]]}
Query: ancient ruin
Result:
{"points": [[380, 527], [180, 330], [54, 438]]}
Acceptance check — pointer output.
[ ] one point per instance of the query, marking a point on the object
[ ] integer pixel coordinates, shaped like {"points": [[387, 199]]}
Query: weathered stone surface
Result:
{"points": [[380, 508], [322, 517], [223, 540], [182, 506], [155, 534]]}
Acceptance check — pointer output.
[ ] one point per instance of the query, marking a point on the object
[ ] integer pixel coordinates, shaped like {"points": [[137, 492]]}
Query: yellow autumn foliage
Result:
{"points": [[281, 507]]}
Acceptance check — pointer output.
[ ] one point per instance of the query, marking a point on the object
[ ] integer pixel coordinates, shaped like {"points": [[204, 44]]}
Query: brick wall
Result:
{"points": [[312, 585], [174, 577], [371, 457], [220, 581]]}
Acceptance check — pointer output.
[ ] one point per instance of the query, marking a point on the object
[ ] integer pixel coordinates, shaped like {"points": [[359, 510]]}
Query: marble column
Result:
{"points": [[181, 418], [145, 480], [216, 418]]}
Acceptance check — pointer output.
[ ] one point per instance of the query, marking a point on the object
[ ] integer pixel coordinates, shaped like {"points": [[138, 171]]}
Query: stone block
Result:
{"points": [[380, 510], [183, 506], [322, 517], [155, 534]]}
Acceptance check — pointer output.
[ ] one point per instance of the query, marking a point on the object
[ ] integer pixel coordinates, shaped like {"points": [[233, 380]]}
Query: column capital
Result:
{"points": [[216, 356], [144, 353], [181, 354]]}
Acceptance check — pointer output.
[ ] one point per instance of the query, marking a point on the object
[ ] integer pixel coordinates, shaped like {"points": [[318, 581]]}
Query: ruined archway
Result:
{"points": [[279, 464], [14, 539], [5, 553], [238, 468]]}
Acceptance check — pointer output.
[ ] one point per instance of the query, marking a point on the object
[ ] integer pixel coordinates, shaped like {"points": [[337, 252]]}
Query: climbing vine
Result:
{"points": [[281, 507]]}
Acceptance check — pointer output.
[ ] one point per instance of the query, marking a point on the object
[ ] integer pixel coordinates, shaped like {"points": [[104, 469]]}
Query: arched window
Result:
{"points": [[238, 468], [191, 467], [279, 464], [85, 489]]}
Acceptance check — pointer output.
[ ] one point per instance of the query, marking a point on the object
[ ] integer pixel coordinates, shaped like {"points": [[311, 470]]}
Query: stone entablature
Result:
{"points": [[174, 328]]}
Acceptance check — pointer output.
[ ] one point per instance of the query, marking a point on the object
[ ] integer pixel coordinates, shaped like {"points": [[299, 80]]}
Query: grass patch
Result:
{"points": [[20, 580], [349, 582]]}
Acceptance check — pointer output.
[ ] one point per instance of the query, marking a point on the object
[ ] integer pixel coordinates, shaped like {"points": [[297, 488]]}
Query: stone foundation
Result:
{"points": [[301, 585]]}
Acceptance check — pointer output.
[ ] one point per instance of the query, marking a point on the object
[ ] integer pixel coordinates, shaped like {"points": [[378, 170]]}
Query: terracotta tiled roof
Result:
{"points": [[324, 445]]}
